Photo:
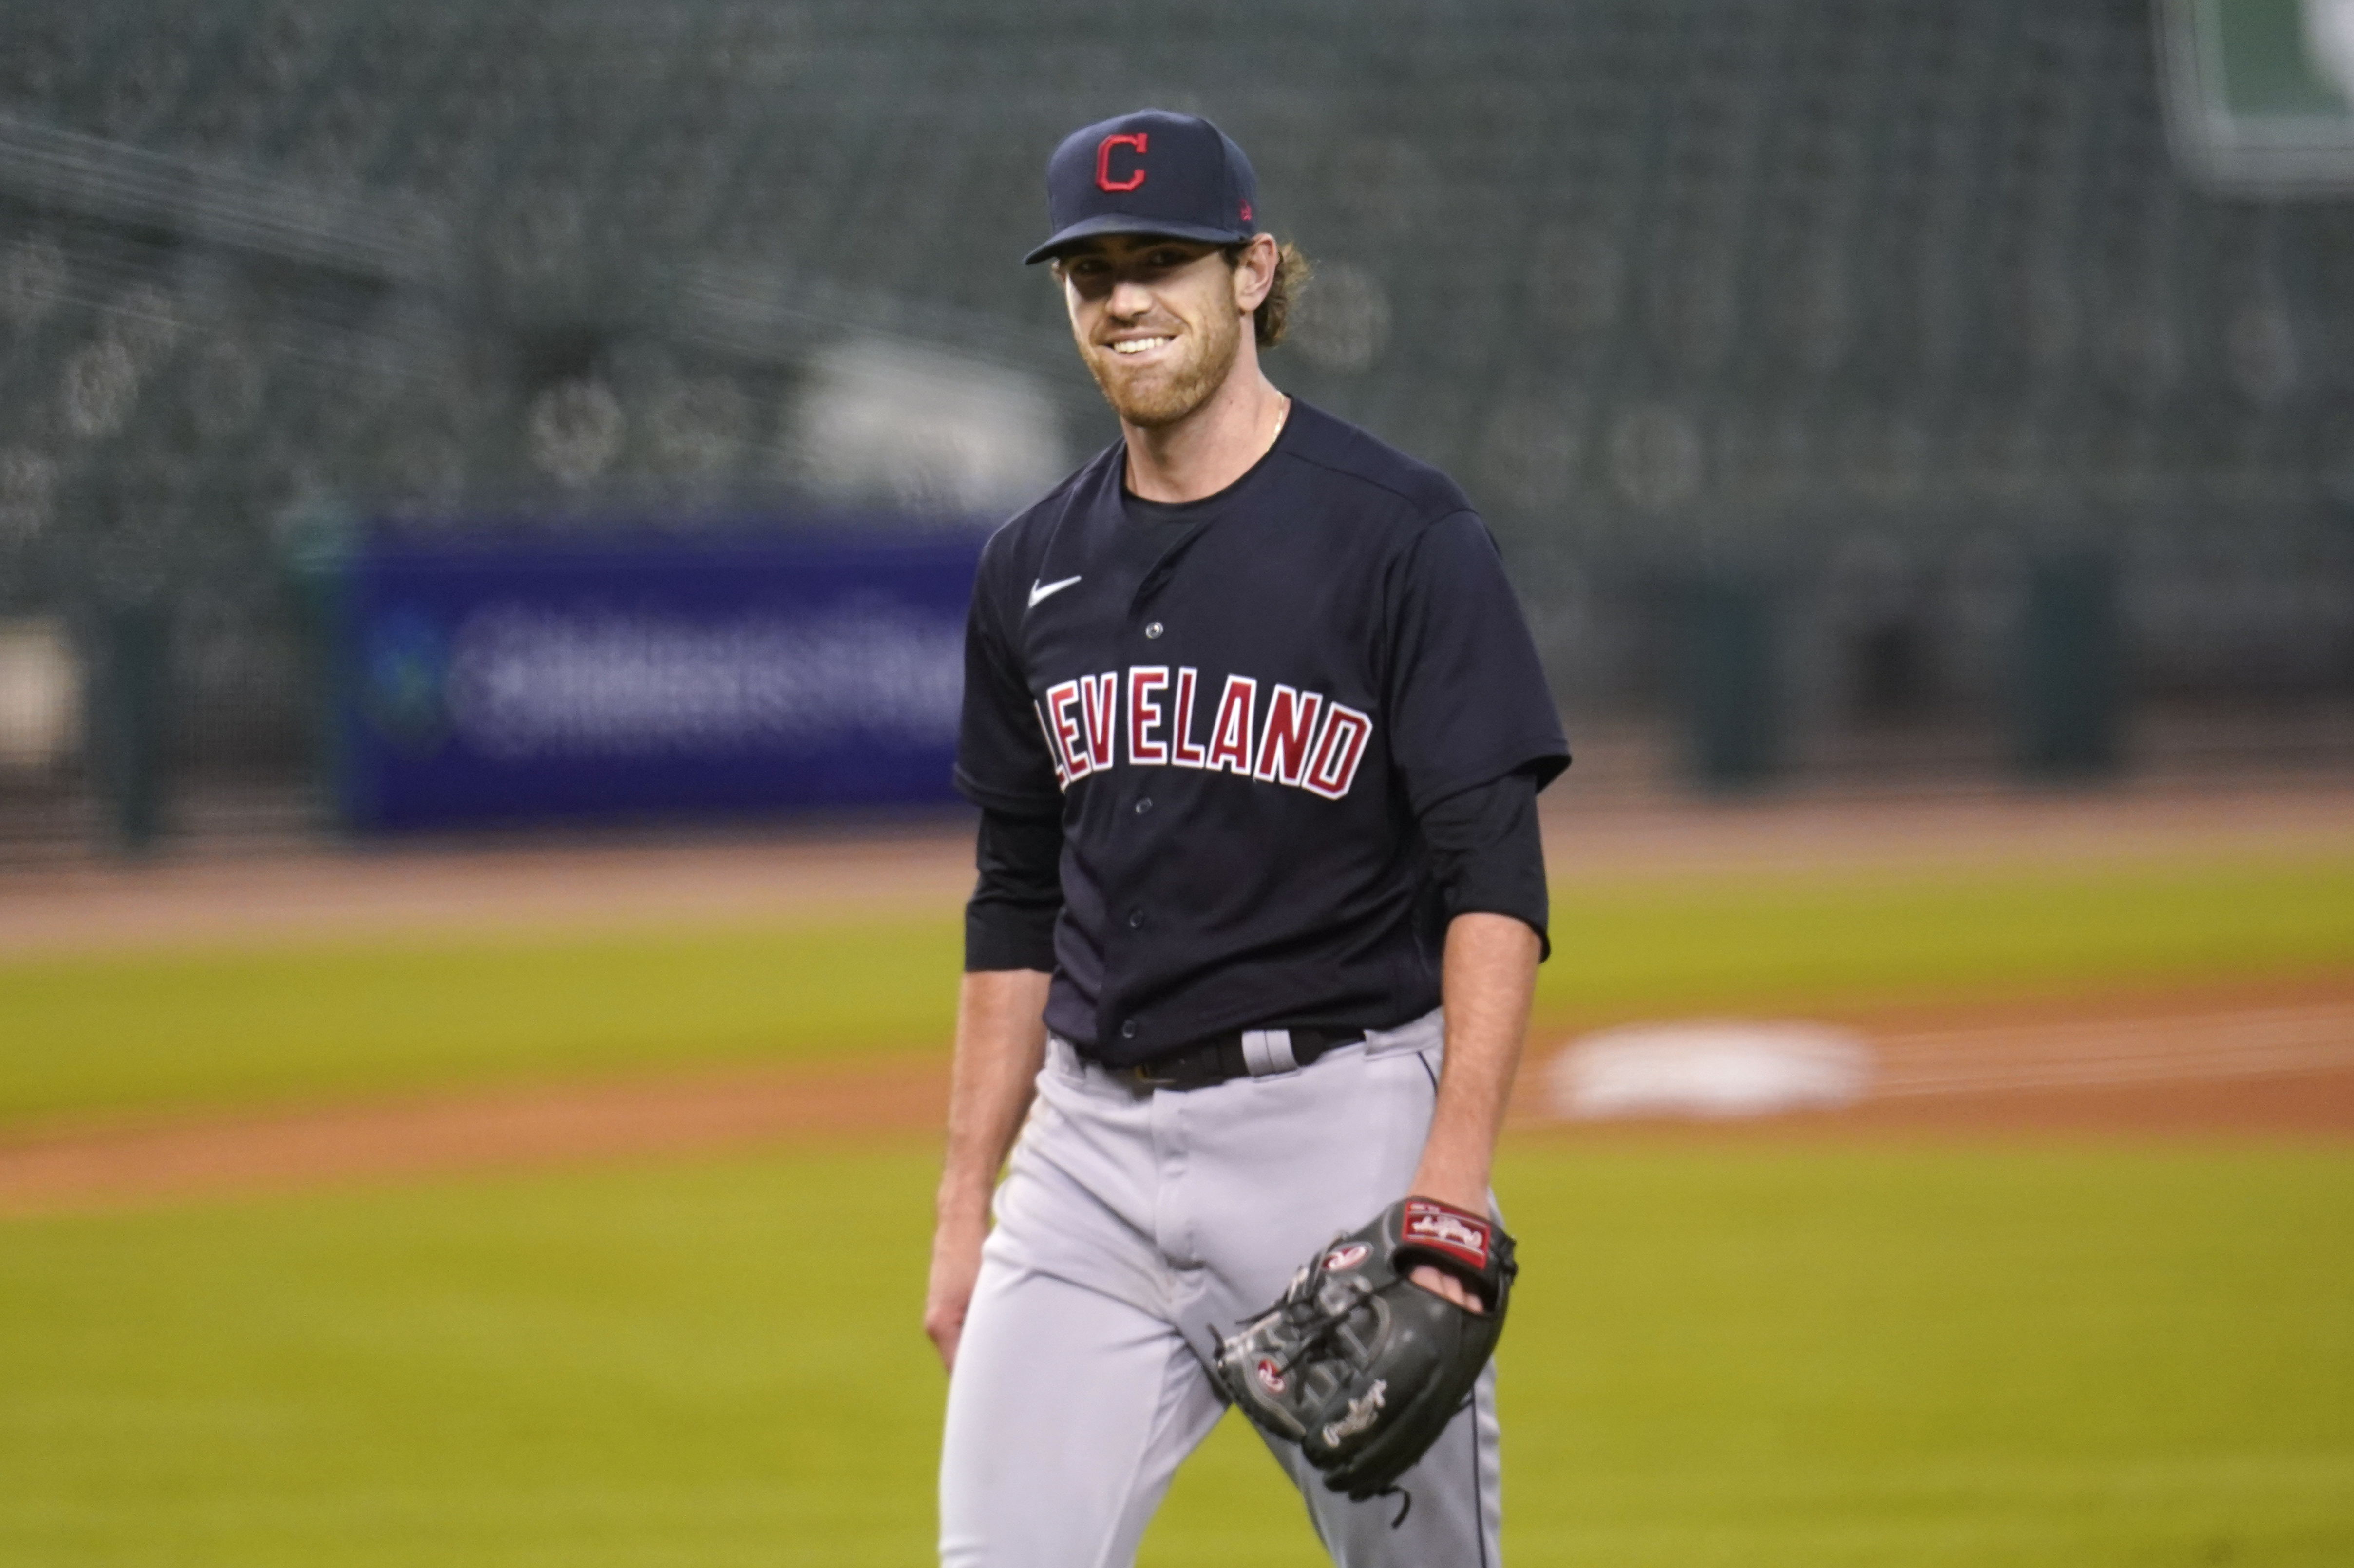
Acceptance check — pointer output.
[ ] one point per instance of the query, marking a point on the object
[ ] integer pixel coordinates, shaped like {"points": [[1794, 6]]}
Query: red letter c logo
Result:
{"points": [[1103, 162]]}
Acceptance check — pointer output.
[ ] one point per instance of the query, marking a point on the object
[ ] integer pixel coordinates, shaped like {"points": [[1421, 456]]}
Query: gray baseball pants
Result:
{"points": [[1134, 1227]]}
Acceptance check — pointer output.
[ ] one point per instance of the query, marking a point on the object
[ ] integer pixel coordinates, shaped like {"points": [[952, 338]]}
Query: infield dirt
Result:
{"points": [[555, 886]]}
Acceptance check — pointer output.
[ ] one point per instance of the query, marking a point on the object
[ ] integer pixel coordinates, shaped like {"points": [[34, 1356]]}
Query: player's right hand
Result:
{"points": [[955, 1266]]}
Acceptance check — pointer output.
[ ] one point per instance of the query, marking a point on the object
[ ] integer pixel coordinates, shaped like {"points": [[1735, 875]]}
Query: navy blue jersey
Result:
{"points": [[1240, 706]]}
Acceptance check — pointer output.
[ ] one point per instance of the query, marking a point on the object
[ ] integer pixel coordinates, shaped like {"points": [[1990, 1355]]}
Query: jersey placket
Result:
{"points": [[1140, 639]]}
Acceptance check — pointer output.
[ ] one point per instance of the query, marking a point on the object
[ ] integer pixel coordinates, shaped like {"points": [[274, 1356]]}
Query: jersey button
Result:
{"points": [[1127, 1030], [1153, 630], [1136, 919], [1144, 805]]}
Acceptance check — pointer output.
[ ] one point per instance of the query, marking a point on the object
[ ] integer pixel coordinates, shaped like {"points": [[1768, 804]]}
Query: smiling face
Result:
{"points": [[1159, 321]]}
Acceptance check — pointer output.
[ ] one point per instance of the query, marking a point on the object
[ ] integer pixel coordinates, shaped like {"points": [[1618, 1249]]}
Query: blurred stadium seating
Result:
{"points": [[1867, 315]]}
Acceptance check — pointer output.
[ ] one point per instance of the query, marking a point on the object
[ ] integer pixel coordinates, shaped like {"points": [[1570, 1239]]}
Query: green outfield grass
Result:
{"points": [[145, 1029], [1759, 1357], [240, 1026]]}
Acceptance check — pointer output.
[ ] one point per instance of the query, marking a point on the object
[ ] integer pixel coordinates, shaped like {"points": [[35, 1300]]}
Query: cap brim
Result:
{"points": [[1121, 223]]}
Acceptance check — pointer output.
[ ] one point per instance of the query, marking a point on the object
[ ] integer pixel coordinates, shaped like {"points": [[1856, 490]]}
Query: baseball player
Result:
{"points": [[1256, 730]]}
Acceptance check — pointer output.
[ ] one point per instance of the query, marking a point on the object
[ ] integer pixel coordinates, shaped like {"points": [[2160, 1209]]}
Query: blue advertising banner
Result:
{"points": [[514, 681]]}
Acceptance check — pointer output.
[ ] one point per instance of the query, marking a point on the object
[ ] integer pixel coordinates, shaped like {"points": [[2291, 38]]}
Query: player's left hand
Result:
{"points": [[1471, 1196], [1438, 1282]]}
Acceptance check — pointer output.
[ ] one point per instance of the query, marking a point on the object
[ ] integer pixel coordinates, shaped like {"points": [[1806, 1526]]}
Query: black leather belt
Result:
{"points": [[1243, 1053]]}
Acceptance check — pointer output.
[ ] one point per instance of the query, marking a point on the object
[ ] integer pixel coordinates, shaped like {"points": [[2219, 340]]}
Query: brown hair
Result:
{"points": [[1292, 271]]}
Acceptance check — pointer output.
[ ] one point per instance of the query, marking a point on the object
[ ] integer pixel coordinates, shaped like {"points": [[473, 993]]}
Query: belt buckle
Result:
{"points": [[1140, 1075]]}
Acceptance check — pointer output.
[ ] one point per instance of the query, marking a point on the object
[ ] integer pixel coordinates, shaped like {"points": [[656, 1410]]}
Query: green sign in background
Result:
{"points": [[2265, 67]]}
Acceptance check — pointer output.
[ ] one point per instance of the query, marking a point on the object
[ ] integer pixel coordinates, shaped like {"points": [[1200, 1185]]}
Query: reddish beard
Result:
{"points": [[1151, 399]]}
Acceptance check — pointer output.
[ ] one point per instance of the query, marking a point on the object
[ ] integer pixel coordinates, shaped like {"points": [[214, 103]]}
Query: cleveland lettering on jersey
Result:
{"points": [[1302, 740]]}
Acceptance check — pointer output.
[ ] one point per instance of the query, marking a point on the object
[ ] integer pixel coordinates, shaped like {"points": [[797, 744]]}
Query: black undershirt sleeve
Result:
{"points": [[1487, 854], [1008, 922]]}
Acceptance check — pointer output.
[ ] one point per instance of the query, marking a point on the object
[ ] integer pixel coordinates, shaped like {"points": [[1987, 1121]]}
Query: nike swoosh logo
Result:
{"points": [[1039, 590]]}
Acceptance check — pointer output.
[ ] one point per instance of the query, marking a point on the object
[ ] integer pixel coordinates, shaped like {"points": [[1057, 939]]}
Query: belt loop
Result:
{"points": [[1266, 1051]]}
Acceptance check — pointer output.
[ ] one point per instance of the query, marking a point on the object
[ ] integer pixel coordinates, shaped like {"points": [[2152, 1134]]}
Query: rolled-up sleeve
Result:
{"points": [[1487, 853], [1008, 922]]}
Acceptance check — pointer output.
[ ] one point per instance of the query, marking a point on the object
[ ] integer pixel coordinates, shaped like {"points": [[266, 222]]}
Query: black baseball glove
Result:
{"points": [[1359, 1365]]}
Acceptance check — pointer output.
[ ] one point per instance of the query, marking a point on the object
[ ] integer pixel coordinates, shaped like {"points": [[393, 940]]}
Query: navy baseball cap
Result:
{"points": [[1149, 173]]}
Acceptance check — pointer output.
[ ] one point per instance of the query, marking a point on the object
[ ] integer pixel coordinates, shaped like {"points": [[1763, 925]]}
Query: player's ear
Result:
{"points": [[1254, 271], [1062, 274]]}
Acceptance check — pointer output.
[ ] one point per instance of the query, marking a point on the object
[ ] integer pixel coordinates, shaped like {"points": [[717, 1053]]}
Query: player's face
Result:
{"points": [[1158, 321]]}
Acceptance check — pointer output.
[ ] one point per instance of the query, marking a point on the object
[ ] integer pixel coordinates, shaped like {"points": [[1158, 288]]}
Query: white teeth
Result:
{"points": [[1137, 344]]}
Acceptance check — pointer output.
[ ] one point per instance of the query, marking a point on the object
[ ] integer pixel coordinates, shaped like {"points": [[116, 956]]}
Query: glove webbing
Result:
{"points": [[1304, 1307]]}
